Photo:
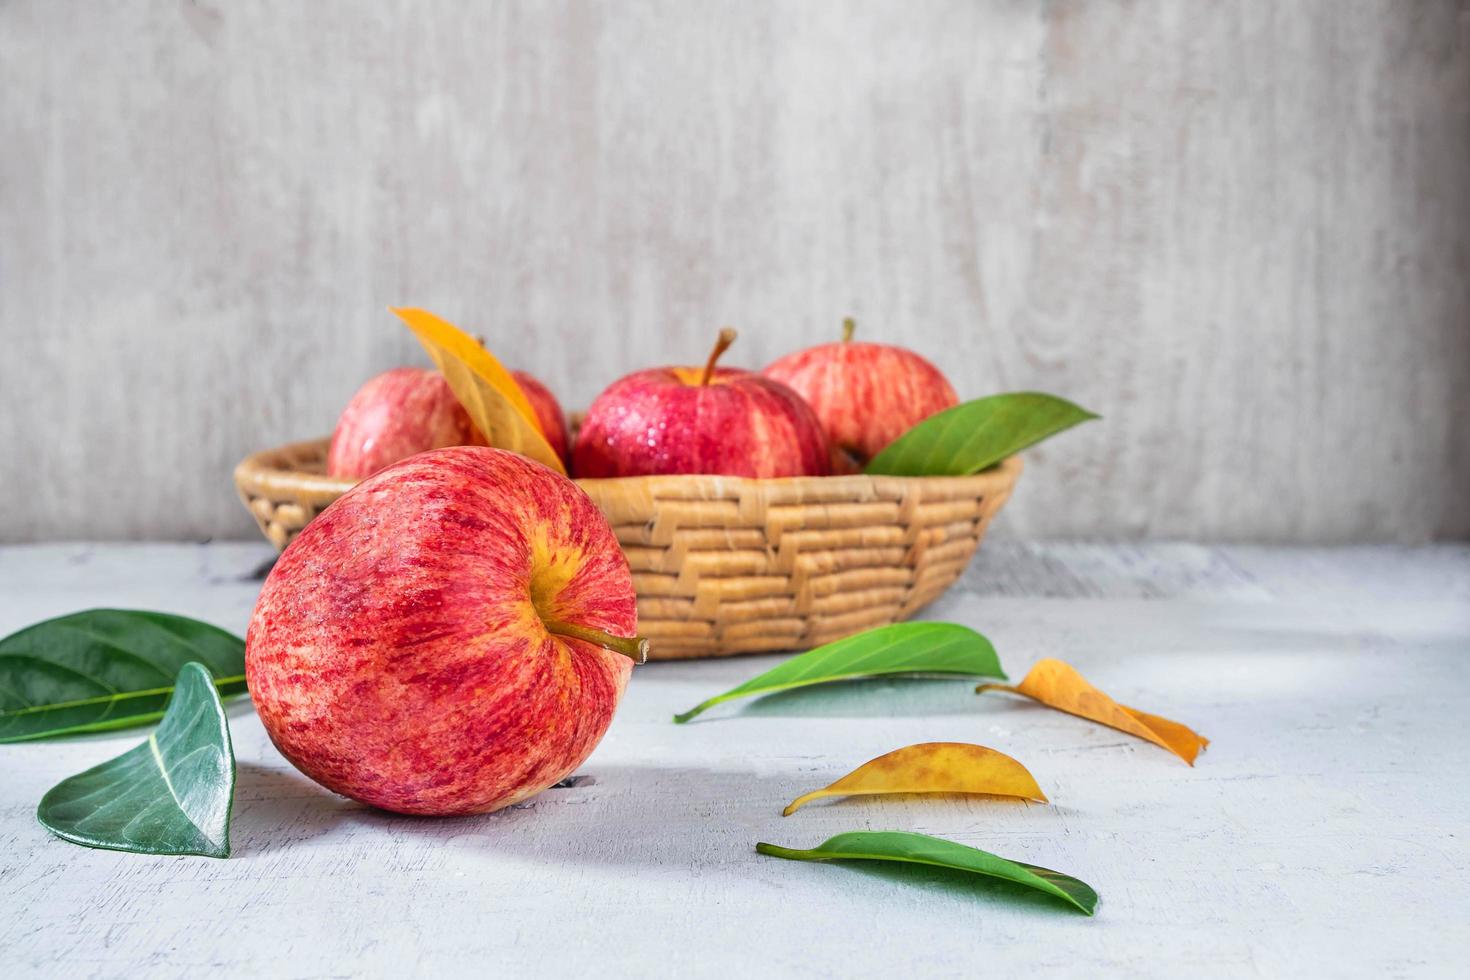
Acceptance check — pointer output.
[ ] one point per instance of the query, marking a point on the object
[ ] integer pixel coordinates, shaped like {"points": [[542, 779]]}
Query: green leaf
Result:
{"points": [[978, 434], [901, 846], [105, 668], [903, 648], [170, 795]]}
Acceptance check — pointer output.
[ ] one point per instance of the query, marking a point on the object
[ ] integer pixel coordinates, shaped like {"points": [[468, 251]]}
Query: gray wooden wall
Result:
{"points": [[1241, 231]]}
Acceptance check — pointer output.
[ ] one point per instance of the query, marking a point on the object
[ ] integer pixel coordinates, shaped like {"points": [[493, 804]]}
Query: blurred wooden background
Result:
{"points": [[1240, 230]]}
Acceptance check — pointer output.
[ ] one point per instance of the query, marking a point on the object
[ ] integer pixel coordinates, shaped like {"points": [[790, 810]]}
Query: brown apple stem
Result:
{"points": [[635, 648], [727, 337], [849, 326]]}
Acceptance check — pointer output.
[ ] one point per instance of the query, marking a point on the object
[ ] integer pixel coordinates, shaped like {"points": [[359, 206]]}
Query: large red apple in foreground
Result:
{"points": [[548, 412], [866, 395], [398, 413], [700, 420], [440, 640]]}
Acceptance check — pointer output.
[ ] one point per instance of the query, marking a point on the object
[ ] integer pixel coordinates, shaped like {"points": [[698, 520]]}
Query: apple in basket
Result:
{"points": [[411, 410], [450, 636], [866, 395], [548, 412], [700, 420]]}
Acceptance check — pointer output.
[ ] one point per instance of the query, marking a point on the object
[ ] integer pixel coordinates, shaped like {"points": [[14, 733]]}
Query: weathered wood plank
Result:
{"points": [[1240, 231]]}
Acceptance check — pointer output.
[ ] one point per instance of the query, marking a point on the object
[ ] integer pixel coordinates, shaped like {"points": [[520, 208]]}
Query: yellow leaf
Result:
{"points": [[484, 387], [1058, 685], [933, 767]]}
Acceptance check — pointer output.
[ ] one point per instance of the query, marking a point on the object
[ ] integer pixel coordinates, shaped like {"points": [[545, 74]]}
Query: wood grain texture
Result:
{"points": [[1322, 834], [1240, 231]]}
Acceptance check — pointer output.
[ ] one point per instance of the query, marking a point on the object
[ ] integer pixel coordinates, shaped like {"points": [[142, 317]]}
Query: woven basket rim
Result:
{"points": [[725, 564], [263, 472]]}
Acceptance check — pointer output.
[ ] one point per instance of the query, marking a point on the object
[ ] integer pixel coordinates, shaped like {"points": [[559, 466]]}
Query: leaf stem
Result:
{"points": [[635, 648], [699, 708], [722, 344], [802, 801]]}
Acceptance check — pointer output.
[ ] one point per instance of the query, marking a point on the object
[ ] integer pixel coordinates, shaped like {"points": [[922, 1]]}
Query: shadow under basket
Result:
{"points": [[725, 565]]}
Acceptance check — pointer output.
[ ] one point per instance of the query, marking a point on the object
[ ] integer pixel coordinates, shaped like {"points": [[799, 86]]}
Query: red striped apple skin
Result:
{"points": [[866, 395], [663, 421], [548, 412], [398, 653], [398, 413]]}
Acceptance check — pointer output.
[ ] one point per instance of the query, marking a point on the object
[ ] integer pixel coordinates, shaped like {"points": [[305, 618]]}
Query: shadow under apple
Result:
{"points": [[618, 815], [601, 814], [277, 807]]}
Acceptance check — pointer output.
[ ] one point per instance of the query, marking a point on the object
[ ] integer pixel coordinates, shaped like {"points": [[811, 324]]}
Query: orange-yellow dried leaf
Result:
{"points": [[1058, 685], [933, 767], [484, 387]]}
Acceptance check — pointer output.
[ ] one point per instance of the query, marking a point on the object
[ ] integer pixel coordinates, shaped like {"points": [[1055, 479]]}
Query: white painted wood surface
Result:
{"points": [[1323, 834], [1238, 230]]}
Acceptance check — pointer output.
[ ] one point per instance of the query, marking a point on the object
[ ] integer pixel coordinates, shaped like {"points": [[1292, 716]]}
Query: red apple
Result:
{"points": [[700, 420], [400, 412], [866, 395], [450, 636], [548, 412]]}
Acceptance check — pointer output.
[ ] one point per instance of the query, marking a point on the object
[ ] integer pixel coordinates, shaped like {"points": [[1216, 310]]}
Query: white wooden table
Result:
{"points": [[1324, 833]]}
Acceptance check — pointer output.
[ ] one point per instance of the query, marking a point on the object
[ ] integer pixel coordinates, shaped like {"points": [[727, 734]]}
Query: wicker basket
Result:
{"points": [[727, 565]]}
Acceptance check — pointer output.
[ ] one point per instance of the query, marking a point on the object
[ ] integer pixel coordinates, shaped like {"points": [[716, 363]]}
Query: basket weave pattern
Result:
{"points": [[726, 565]]}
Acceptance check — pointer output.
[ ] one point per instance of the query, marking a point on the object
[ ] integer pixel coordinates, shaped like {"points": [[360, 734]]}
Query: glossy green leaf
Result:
{"points": [[901, 846], [903, 648], [170, 795], [978, 434], [105, 668]]}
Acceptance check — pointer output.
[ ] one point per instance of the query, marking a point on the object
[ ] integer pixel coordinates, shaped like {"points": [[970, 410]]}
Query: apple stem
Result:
{"points": [[849, 326], [727, 337], [635, 648]]}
